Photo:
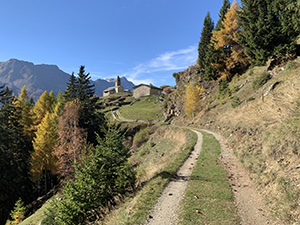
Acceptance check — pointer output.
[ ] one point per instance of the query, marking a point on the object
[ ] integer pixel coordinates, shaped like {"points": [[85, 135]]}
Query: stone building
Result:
{"points": [[145, 90], [116, 89]]}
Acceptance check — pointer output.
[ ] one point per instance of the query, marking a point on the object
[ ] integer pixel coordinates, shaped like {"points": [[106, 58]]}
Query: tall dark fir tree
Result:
{"points": [[70, 93], [90, 118], [205, 40], [267, 29]]}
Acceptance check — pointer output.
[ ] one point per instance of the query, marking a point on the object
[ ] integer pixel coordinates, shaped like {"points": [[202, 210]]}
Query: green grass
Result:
{"points": [[134, 210], [215, 204], [148, 108]]}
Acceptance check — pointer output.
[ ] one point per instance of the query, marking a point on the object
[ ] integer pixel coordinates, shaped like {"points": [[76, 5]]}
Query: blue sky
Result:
{"points": [[144, 40]]}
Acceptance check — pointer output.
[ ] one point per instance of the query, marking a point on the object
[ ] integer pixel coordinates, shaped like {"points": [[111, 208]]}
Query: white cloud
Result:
{"points": [[168, 61]]}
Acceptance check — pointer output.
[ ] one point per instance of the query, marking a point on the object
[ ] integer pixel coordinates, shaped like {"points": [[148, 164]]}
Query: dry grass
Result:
{"points": [[156, 164], [265, 134]]}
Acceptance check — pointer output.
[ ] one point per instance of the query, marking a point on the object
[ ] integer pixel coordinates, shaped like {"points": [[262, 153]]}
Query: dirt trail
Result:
{"points": [[164, 213], [250, 205]]}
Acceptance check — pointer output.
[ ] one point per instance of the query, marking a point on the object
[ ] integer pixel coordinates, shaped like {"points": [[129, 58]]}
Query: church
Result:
{"points": [[116, 89]]}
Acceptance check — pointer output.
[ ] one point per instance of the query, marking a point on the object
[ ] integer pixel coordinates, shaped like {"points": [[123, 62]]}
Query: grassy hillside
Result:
{"points": [[157, 162], [260, 118], [147, 108]]}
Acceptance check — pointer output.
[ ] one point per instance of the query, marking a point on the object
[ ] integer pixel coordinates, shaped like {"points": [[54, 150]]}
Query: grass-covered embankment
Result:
{"points": [[147, 108], [165, 162], [208, 198]]}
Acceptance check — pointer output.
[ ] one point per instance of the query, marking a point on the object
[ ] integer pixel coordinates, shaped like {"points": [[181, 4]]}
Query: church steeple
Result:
{"points": [[118, 81]]}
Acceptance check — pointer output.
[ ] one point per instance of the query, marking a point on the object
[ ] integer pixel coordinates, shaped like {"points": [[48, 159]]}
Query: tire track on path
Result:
{"points": [[166, 208]]}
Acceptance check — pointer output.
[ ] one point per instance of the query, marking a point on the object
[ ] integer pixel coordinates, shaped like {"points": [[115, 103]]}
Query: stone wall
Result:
{"points": [[141, 91]]}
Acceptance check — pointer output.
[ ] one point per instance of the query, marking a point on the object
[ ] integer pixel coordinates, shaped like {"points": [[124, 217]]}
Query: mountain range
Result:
{"points": [[16, 73]]}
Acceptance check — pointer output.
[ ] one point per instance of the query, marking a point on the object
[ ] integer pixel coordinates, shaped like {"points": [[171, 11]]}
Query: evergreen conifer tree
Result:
{"points": [[71, 92], [83, 87], [261, 30], [213, 56], [90, 118], [205, 40]]}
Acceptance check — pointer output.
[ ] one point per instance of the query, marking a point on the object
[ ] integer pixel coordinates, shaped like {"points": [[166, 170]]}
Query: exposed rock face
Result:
{"points": [[175, 101]]}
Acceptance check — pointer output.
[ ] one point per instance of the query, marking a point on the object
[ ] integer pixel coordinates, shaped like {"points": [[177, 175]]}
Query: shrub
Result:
{"points": [[141, 137], [250, 72], [152, 144], [260, 80], [291, 65], [235, 101], [224, 91]]}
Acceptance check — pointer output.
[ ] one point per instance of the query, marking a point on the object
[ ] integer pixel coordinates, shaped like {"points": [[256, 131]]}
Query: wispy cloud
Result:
{"points": [[168, 61]]}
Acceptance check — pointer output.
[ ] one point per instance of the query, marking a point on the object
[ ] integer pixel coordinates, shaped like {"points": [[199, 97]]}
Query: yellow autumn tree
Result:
{"points": [[23, 104], [193, 95], [44, 105], [43, 160], [233, 60]]}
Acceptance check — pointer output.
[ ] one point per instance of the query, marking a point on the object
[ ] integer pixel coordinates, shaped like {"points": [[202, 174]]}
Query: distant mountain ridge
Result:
{"points": [[16, 73]]}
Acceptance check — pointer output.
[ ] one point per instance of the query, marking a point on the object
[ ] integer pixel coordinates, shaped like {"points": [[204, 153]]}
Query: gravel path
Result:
{"points": [[164, 213], [250, 205]]}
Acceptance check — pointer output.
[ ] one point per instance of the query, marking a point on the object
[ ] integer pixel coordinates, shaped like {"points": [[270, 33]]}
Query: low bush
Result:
{"points": [[235, 102], [141, 137], [260, 80]]}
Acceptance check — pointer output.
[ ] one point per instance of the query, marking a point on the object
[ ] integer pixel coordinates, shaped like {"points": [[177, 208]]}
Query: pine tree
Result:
{"points": [[234, 61], [90, 118], [205, 40], [212, 55], [288, 13], [263, 32], [71, 92], [211, 59], [84, 89], [223, 11]]}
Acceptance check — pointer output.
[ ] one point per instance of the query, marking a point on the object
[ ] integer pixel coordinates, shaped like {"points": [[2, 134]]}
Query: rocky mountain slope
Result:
{"points": [[38, 78]]}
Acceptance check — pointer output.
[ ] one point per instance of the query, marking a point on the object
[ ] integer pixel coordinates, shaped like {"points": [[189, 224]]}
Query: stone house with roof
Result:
{"points": [[145, 90], [116, 89]]}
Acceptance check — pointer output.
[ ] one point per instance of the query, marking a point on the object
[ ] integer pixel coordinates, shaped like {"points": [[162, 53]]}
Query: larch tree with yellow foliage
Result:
{"points": [[26, 108], [234, 61], [43, 160], [192, 97], [44, 105]]}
